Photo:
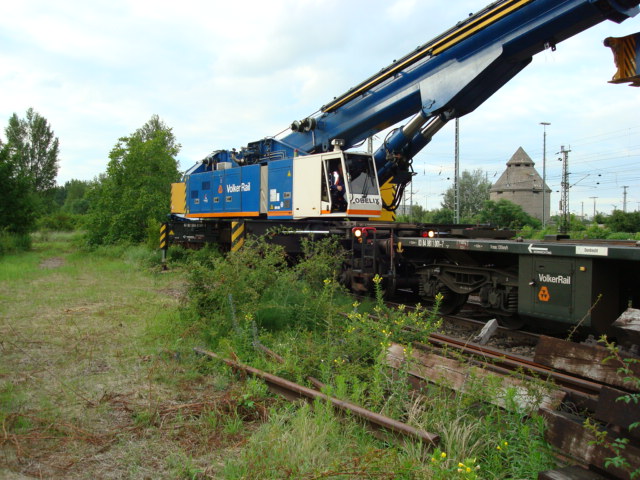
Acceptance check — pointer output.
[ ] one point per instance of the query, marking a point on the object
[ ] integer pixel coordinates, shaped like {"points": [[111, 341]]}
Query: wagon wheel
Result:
{"points": [[451, 302]]}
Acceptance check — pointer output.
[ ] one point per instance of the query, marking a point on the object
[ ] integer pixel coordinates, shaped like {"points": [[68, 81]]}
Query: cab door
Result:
{"points": [[338, 189]]}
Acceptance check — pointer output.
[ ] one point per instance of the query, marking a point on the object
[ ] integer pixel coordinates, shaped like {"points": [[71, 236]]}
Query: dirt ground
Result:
{"points": [[94, 382]]}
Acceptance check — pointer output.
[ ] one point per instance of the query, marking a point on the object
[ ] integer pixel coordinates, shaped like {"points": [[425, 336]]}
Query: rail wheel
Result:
{"points": [[451, 302]]}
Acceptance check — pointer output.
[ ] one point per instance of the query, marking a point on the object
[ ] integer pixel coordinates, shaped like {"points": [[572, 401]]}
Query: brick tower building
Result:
{"points": [[521, 184]]}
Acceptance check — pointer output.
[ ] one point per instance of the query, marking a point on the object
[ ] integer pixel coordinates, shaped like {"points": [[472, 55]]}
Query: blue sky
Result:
{"points": [[222, 74]]}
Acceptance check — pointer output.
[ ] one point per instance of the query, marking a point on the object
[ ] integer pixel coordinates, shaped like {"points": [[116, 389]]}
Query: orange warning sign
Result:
{"points": [[220, 189], [543, 294]]}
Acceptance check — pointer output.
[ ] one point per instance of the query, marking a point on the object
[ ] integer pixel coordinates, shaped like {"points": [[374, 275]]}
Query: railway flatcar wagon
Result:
{"points": [[563, 281]]}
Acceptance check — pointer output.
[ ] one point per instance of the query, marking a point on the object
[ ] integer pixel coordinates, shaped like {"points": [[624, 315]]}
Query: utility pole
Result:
{"points": [[594, 208], [564, 201], [411, 202], [456, 181], [624, 198], [544, 172]]}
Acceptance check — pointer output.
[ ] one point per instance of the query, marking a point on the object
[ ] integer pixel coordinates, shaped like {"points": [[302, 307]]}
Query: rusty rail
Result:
{"points": [[293, 390], [513, 362]]}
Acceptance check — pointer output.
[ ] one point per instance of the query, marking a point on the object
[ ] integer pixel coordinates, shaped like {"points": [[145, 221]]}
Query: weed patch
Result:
{"points": [[97, 377], [246, 299], [14, 242]]}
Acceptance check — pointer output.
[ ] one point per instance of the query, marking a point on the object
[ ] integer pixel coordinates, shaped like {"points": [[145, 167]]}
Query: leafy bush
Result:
{"points": [[256, 296], [620, 221], [595, 231], [506, 214], [153, 233], [257, 285], [620, 236], [59, 221], [14, 242]]}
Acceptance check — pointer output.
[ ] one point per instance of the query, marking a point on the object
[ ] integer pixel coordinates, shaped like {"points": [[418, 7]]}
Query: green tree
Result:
{"points": [[506, 214], [444, 215], [600, 218], [16, 199], [417, 214], [134, 193], [75, 196], [576, 223], [474, 191], [620, 221], [33, 149]]}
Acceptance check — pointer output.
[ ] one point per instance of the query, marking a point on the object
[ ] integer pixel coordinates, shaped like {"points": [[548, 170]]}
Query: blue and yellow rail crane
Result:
{"points": [[310, 181], [450, 76]]}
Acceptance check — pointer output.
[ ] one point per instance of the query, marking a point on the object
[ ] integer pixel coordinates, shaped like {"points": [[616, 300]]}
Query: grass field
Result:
{"points": [[92, 379]]}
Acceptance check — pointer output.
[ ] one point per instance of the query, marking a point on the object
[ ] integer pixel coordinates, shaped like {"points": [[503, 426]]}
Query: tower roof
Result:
{"points": [[520, 174], [520, 158]]}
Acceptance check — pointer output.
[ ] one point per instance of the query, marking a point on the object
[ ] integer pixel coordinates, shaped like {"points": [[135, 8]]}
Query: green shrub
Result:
{"points": [[14, 242], [620, 236], [595, 231], [153, 234], [59, 222], [255, 295]]}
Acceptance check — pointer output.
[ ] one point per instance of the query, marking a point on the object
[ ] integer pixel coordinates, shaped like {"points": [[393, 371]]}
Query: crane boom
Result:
{"points": [[450, 75]]}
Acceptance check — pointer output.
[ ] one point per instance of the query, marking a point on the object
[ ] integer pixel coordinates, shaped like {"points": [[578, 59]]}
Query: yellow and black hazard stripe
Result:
{"points": [[163, 237], [237, 235], [625, 54]]}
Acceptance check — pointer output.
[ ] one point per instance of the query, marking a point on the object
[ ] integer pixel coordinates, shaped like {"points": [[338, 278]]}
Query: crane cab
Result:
{"points": [[334, 184], [350, 186]]}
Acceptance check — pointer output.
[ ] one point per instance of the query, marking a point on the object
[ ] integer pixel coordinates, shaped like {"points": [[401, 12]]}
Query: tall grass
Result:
{"points": [[302, 313], [14, 242], [80, 331], [305, 442]]}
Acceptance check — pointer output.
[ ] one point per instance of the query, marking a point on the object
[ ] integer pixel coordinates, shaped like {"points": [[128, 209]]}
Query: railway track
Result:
{"points": [[572, 376], [575, 376], [579, 379]]}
